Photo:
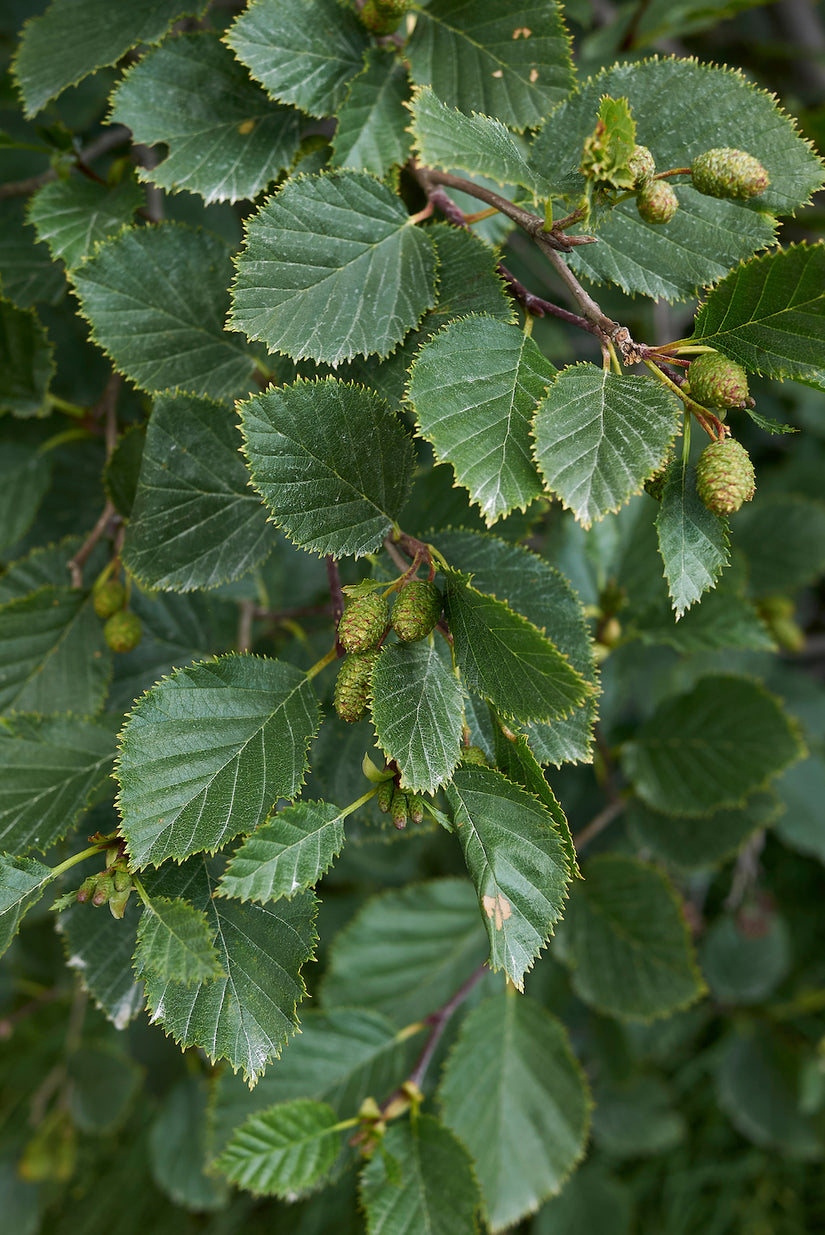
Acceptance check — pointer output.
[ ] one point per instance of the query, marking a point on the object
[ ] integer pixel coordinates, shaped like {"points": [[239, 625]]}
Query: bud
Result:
{"points": [[108, 598], [104, 888], [382, 16], [725, 476], [117, 902], [87, 889], [715, 381], [416, 611], [656, 202], [642, 166], [725, 172], [399, 809], [474, 756], [352, 686], [123, 880], [363, 622], [123, 631]]}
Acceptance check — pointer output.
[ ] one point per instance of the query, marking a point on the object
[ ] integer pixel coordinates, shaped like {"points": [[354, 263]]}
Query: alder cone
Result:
{"points": [[352, 686], [725, 477], [382, 16], [725, 172], [416, 611], [363, 623], [716, 381], [108, 598], [642, 165], [123, 631], [656, 202]]}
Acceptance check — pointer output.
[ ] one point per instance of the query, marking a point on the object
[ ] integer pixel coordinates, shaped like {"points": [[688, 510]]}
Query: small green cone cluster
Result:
{"points": [[123, 631], [111, 886], [656, 202], [353, 685], [416, 611], [724, 476], [382, 16], [726, 172], [363, 623], [400, 804], [642, 166], [108, 597], [715, 381], [474, 756]]}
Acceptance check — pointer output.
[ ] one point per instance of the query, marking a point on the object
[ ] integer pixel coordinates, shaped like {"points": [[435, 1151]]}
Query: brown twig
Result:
{"points": [[76, 564], [598, 823], [539, 307], [746, 870], [336, 597], [116, 136]]}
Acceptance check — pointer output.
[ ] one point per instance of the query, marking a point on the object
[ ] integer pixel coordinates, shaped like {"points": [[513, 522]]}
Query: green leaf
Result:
{"points": [[504, 658], [434, 1189], [100, 949], [177, 1156], [446, 138], [474, 388], [417, 713], [693, 541], [591, 1200], [103, 1084], [759, 1097], [174, 943], [711, 747], [302, 51], [769, 315], [331, 461], [599, 435], [73, 215], [27, 272], [225, 139], [783, 538], [22, 883], [540, 593], [371, 135], [26, 361], [64, 45], [516, 1096], [725, 619], [626, 942], [801, 790], [366, 274], [518, 763], [53, 657], [681, 109], [744, 959], [24, 480], [120, 476], [286, 855], [608, 149], [407, 951], [247, 1016], [703, 841], [284, 1151], [194, 522], [207, 752], [514, 57], [635, 1116], [157, 298], [49, 770], [516, 859]]}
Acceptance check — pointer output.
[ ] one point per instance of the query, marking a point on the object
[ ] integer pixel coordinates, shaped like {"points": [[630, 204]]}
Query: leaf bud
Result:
{"points": [[122, 879], [363, 622], [352, 686], [725, 476], [642, 166], [123, 631], [108, 598], [725, 172], [656, 202], [715, 381], [104, 888], [87, 889], [416, 611]]}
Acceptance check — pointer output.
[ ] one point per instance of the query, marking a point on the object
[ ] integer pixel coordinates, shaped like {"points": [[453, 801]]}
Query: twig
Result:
{"points": [[598, 823], [246, 613], [336, 596], [539, 307], [76, 564], [116, 136], [746, 870]]}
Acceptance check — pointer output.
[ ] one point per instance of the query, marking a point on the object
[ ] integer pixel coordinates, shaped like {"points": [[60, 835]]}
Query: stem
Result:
{"points": [[331, 655], [117, 136], [598, 823], [438, 1022], [73, 861], [539, 307], [53, 402], [336, 596], [141, 891], [79, 560], [354, 806]]}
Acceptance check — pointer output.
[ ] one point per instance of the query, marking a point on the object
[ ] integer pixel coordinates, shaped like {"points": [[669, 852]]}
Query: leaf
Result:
{"points": [[49, 770], [543, 595], [745, 960], [703, 841], [417, 713], [515, 58], [446, 138], [63, 45], [24, 480], [72, 216], [516, 860], [626, 941], [693, 541], [783, 537], [207, 752], [177, 1149], [514, 1093], [518, 763], [174, 944], [710, 748], [366, 274], [247, 1016], [801, 790], [53, 657], [681, 109], [636, 1116], [103, 1083], [436, 1192], [609, 148], [371, 134], [302, 51], [756, 1093], [26, 361], [406, 951], [156, 298], [100, 949], [725, 619], [591, 1200], [599, 435], [194, 522], [286, 855], [769, 314], [225, 139], [284, 1151], [27, 272], [504, 658], [331, 461], [474, 388], [22, 883]]}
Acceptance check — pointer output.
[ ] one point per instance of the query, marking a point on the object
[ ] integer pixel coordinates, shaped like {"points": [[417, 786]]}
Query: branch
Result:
{"points": [[598, 823], [116, 136], [79, 560]]}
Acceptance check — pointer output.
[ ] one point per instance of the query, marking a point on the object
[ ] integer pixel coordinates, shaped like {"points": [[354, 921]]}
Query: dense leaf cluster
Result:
{"points": [[301, 305]]}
